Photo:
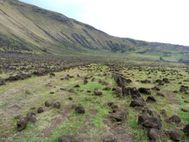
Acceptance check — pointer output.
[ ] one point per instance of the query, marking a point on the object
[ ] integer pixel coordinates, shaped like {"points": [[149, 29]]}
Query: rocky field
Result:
{"points": [[77, 100]]}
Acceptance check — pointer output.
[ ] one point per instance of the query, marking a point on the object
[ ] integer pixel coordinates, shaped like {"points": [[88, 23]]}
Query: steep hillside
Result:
{"points": [[27, 28]]}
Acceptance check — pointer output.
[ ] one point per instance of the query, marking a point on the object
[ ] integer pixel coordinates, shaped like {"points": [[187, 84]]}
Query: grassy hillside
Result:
{"points": [[29, 29]]}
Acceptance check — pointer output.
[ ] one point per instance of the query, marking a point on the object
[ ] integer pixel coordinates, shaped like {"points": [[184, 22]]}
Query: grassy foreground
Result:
{"points": [[76, 86]]}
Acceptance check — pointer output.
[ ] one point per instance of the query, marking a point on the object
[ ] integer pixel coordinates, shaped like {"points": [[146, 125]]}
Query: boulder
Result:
{"points": [[153, 134], [150, 99], [21, 124], [47, 104], [66, 138], [2, 82], [174, 119], [144, 91], [57, 105], [31, 116], [160, 94], [118, 116], [174, 135], [186, 129], [40, 110], [149, 122], [138, 102], [79, 109], [109, 139], [97, 93]]}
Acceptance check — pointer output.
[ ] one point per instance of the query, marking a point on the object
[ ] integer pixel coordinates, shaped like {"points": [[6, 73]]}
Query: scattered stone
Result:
{"points": [[163, 113], [144, 91], [134, 93], [70, 98], [138, 102], [40, 110], [149, 122], [66, 138], [2, 82], [174, 135], [47, 104], [77, 86], [156, 88], [31, 116], [184, 110], [52, 74], [57, 105], [186, 129], [79, 109], [153, 134], [150, 99], [97, 93], [184, 89], [160, 94], [85, 81], [21, 124], [145, 81], [118, 116], [165, 80], [109, 139], [113, 107], [175, 119]]}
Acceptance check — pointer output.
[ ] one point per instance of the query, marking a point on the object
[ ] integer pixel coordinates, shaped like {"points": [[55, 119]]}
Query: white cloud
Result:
{"points": [[152, 20]]}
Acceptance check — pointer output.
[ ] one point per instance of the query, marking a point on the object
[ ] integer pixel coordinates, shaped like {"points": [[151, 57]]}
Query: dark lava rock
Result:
{"points": [[40, 110], [2, 82], [79, 109], [138, 102], [31, 116], [85, 81], [186, 129], [21, 124], [159, 81], [150, 99], [149, 122], [66, 139], [52, 74], [153, 134], [57, 105], [146, 110], [134, 92], [120, 80], [184, 110], [113, 107], [144, 91], [47, 104], [165, 80], [163, 113], [118, 116], [156, 88], [142, 118], [109, 139], [97, 93], [184, 89], [175, 119], [125, 91], [145, 81], [160, 94], [77, 86], [174, 135]]}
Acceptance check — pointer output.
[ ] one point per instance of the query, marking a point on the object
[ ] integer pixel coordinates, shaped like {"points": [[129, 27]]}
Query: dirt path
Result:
{"points": [[118, 131], [47, 132]]}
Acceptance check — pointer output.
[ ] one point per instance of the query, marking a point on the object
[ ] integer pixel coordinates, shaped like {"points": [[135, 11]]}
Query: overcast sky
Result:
{"points": [[151, 20]]}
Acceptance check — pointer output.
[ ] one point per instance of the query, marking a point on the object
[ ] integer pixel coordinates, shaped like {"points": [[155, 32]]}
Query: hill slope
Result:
{"points": [[27, 28]]}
